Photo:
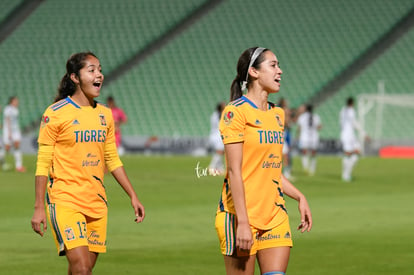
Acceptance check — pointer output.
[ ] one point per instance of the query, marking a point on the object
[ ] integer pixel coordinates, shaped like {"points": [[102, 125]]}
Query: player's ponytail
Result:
{"points": [[66, 86], [235, 89], [251, 57]]}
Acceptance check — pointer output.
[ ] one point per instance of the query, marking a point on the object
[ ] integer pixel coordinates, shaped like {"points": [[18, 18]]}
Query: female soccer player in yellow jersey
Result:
{"points": [[76, 142], [252, 220]]}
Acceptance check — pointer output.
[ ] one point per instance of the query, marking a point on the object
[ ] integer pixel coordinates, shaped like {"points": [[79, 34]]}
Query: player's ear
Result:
{"points": [[253, 72], [74, 78]]}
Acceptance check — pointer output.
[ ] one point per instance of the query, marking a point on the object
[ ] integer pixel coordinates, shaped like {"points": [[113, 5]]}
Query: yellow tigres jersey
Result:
{"points": [[262, 135], [79, 135]]}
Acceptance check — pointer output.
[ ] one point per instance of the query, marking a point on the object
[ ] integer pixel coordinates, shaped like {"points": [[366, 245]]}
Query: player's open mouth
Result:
{"points": [[97, 84], [278, 80]]}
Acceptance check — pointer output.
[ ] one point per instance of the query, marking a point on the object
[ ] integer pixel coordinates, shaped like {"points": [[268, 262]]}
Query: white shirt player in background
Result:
{"points": [[12, 135], [216, 165], [350, 142], [309, 125]]}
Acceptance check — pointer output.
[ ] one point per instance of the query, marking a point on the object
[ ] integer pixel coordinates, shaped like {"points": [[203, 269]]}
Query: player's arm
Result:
{"points": [[8, 125], [304, 209], [125, 120], [44, 160], [39, 223], [123, 180], [234, 156], [114, 165]]}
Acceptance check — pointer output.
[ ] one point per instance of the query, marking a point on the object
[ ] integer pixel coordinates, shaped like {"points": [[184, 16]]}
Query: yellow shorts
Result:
{"points": [[73, 229], [226, 226]]}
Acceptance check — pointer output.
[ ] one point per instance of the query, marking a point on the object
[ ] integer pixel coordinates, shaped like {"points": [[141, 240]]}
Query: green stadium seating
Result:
{"points": [[313, 40], [37, 51], [6, 7], [174, 91]]}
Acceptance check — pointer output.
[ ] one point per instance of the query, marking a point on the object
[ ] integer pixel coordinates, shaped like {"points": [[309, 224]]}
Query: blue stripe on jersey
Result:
{"points": [[72, 102], [59, 104], [274, 273], [250, 102], [237, 102]]}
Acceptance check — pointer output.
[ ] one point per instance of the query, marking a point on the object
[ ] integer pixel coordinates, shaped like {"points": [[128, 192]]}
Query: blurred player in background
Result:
{"points": [[350, 143], [76, 141], [216, 164], [12, 135], [287, 156], [309, 125], [251, 219], [119, 118]]}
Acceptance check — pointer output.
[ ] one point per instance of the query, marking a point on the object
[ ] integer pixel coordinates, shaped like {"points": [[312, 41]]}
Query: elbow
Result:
{"points": [[233, 173]]}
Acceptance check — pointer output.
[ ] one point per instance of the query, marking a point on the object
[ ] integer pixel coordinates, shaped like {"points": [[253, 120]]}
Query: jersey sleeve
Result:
{"points": [[111, 156], [318, 121], [232, 125], [49, 128], [6, 112], [110, 138], [123, 116]]}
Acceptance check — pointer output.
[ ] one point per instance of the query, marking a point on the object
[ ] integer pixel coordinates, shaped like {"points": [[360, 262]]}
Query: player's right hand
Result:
{"points": [[244, 238], [39, 224]]}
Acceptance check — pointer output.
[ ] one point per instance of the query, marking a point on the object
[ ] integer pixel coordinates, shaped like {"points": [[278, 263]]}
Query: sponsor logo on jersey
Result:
{"points": [[75, 122], [94, 239], [269, 236], [287, 235], [257, 122], [273, 156]]}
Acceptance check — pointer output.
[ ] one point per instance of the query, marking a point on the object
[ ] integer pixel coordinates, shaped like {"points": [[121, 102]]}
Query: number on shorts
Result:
{"points": [[82, 232]]}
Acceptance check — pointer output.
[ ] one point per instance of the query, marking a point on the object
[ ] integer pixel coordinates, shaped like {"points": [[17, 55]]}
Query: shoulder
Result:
{"points": [[6, 109], [278, 110], [105, 111], [63, 105], [301, 117], [103, 107]]}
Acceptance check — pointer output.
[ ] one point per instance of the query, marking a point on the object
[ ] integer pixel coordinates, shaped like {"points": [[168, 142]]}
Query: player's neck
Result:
{"points": [[82, 100], [259, 98]]}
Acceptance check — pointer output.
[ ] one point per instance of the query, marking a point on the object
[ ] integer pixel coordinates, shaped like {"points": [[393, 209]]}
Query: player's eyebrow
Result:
{"points": [[92, 65]]}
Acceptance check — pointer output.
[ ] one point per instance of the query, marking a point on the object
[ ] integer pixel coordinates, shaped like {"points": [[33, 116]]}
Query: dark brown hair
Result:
{"points": [[75, 62], [242, 71]]}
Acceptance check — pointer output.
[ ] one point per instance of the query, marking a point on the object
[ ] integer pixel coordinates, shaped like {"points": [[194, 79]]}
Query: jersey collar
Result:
{"points": [[250, 102]]}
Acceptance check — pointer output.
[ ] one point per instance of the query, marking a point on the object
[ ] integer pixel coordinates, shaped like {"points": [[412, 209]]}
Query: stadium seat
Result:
{"points": [[174, 91]]}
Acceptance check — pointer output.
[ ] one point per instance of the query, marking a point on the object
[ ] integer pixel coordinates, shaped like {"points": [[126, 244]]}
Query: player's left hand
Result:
{"points": [[305, 216], [39, 224], [139, 210]]}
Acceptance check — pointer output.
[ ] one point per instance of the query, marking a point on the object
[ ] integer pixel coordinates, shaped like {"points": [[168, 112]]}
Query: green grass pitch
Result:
{"points": [[363, 227]]}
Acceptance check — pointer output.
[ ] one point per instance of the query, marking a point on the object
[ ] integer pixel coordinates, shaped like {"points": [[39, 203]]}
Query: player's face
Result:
{"points": [[91, 77], [15, 102], [270, 73]]}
